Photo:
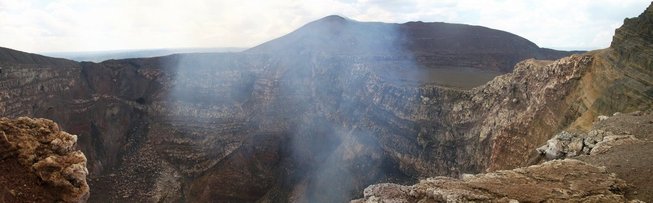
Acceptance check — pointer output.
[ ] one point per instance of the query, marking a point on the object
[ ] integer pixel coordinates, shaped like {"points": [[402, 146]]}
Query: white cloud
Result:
{"points": [[79, 25]]}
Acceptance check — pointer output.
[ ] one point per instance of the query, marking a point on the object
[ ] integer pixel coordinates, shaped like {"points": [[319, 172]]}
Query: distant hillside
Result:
{"points": [[10, 56], [434, 45], [99, 56]]}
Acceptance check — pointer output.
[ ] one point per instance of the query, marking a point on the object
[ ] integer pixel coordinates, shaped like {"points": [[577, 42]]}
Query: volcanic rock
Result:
{"points": [[278, 122], [433, 45], [628, 158], [560, 180], [47, 153]]}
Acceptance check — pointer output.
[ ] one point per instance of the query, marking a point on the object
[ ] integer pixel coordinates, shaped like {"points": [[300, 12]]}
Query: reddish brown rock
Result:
{"points": [[46, 152]]}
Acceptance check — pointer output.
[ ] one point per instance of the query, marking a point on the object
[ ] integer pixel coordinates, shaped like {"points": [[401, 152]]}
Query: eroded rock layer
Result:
{"points": [[618, 146], [319, 125]]}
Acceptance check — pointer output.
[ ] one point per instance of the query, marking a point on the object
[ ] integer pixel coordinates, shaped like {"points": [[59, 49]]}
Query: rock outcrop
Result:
{"points": [[596, 141], [628, 158], [44, 151], [541, 98], [567, 144], [617, 149], [570, 97], [554, 181]]}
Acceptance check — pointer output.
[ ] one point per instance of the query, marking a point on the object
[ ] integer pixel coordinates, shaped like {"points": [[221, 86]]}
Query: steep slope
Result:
{"points": [[539, 99], [318, 125], [432, 45], [617, 169]]}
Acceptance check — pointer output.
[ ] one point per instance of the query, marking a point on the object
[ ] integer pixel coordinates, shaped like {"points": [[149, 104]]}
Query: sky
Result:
{"points": [[83, 25]]}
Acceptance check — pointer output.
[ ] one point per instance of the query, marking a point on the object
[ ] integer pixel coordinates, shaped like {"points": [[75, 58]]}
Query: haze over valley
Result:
{"points": [[337, 109]]}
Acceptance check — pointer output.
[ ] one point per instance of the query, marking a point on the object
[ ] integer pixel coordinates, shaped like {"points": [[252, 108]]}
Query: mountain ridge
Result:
{"points": [[14, 56], [434, 42], [313, 127]]}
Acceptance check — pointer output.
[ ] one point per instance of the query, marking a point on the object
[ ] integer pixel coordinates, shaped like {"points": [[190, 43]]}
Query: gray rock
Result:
{"points": [[564, 144]]}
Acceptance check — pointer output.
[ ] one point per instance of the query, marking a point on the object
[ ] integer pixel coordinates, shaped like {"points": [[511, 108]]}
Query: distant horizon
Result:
{"points": [[243, 48], [132, 50], [99, 56], [105, 25]]}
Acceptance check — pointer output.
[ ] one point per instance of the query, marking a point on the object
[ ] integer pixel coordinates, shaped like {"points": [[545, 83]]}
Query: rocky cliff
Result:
{"points": [[616, 169], [40, 163], [287, 121], [538, 100]]}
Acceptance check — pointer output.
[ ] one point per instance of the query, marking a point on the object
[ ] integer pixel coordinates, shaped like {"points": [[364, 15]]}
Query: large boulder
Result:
{"points": [[47, 152]]}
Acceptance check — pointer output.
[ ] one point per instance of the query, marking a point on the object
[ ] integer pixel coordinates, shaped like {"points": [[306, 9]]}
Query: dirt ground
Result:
{"points": [[633, 162], [17, 184]]}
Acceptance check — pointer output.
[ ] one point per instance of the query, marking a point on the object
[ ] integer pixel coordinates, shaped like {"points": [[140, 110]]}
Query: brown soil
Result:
{"points": [[633, 162], [20, 185]]}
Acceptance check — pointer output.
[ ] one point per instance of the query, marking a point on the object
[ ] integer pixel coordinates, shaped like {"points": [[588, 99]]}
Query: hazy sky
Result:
{"points": [[83, 25]]}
